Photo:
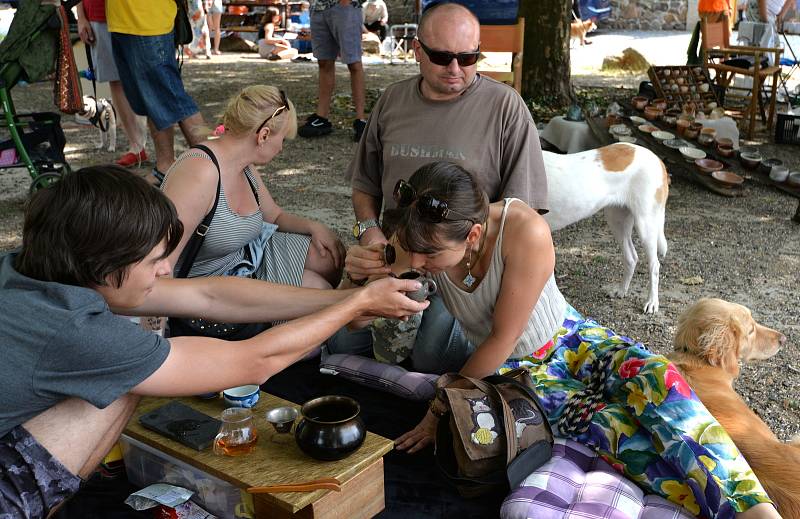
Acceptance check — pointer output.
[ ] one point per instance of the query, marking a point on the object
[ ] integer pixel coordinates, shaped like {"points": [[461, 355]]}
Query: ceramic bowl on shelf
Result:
{"points": [[708, 166], [794, 179], [627, 138], [639, 102], [727, 178], [768, 164], [779, 173], [662, 136], [676, 143], [691, 154], [726, 151], [651, 113], [619, 129], [723, 141], [638, 121], [750, 161], [647, 128]]}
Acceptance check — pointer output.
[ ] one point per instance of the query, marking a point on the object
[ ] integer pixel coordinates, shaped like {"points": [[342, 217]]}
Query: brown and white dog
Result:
{"points": [[630, 184], [579, 29], [713, 337]]}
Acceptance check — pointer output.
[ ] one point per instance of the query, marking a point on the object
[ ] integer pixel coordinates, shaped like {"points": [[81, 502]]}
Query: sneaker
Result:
{"points": [[315, 126], [130, 158], [358, 129]]}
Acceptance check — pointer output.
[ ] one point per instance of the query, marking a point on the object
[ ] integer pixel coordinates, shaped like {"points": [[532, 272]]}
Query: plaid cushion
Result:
{"points": [[577, 484], [386, 377]]}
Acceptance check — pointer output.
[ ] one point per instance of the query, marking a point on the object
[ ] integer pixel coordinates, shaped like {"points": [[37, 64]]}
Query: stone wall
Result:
{"points": [[648, 15]]}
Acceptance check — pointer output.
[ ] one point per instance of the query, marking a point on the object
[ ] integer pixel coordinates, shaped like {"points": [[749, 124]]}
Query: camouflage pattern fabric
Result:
{"points": [[393, 339], [32, 481]]}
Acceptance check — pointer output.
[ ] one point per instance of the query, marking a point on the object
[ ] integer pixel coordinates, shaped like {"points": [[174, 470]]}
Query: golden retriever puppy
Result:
{"points": [[713, 336]]}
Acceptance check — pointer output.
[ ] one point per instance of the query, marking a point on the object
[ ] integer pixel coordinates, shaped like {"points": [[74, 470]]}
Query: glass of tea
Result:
{"points": [[238, 434]]}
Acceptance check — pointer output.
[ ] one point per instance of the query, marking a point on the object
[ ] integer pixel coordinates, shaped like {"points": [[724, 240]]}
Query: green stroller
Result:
{"points": [[34, 140]]}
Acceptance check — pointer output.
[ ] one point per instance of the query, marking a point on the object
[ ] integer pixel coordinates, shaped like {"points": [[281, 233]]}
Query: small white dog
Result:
{"points": [[631, 185], [100, 112]]}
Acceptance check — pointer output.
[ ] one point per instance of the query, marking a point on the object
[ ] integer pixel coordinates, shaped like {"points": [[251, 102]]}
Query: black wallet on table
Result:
{"points": [[183, 424]]}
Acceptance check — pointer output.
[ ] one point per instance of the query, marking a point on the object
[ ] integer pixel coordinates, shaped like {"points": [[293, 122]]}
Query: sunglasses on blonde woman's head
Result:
{"points": [[443, 58], [284, 106], [429, 208]]}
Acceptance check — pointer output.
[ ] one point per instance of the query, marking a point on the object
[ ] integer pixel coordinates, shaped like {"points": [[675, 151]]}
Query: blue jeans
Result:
{"points": [[440, 347], [148, 70]]}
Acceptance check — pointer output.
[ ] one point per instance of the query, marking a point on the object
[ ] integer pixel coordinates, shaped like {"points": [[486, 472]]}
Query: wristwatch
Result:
{"points": [[361, 227]]}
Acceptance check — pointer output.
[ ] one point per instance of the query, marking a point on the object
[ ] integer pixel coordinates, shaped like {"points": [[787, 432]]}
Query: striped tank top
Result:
{"points": [[475, 311], [224, 245]]}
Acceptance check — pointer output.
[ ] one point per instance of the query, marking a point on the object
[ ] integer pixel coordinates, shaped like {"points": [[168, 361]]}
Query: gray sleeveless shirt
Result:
{"points": [[475, 311]]}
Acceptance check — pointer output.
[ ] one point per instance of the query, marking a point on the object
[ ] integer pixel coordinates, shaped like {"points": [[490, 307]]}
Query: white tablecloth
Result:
{"points": [[569, 136]]}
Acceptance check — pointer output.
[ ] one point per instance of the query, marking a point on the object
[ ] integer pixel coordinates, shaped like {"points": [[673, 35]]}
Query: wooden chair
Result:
{"points": [[728, 62], [505, 38]]}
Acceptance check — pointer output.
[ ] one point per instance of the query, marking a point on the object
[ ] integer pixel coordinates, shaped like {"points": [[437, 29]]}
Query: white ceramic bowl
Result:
{"points": [[794, 178], [626, 138], [691, 154], [638, 121], [620, 129], [779, 173], [241, 396], [663, 136]]}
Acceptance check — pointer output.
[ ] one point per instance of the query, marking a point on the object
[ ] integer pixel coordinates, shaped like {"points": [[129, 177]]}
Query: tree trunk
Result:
{"points": [[545, 64]]}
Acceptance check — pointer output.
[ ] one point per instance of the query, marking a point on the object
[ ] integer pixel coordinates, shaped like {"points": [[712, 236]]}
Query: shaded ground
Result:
{"points": [[744, 249]]}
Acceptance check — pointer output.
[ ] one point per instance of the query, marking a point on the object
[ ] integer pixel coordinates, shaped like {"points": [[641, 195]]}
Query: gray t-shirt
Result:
{"points": [[60, 341], [488, 130]]}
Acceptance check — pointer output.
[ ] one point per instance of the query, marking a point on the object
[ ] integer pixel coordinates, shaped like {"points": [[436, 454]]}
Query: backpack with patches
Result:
{"points": [[493, 432]]}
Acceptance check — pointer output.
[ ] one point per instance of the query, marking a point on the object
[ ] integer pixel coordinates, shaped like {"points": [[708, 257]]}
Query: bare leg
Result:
{"points": [[194, 129], [357, 87], [130, 126], [78, 434], [164, 143], [214, 25], [323, 267], [327, 82]]}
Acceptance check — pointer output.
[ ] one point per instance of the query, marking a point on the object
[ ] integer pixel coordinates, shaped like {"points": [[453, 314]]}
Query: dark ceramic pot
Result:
{"points": [[331, 428]]}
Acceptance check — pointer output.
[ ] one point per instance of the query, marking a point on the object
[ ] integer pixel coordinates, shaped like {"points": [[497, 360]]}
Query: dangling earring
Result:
{"points": [[469, 279]]}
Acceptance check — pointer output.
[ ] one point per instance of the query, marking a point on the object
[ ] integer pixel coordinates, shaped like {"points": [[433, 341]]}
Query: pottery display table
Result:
{"points": [[569, 136], [277, 459]]}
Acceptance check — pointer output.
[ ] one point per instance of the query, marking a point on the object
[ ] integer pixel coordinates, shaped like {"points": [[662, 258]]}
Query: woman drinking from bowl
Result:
{"points": [[493, 264], [250, 234]]}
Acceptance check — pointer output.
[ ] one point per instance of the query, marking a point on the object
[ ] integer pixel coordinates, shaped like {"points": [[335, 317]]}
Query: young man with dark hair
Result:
{"points": [[95, 244]]}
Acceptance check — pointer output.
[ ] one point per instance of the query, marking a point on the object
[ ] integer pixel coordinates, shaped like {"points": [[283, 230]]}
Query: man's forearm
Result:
{"points": [[366, 206], [232, 299]]}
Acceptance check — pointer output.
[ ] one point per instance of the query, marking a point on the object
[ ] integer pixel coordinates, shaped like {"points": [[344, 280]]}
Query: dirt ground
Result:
{"points": [[741, 249]]}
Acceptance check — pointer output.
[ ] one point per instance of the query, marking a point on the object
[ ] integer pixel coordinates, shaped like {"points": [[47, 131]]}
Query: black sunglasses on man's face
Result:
{"points": [[443, 58]]}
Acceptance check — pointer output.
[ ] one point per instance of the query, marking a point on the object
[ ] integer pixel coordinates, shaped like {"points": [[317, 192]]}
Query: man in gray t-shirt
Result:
{"points": [[448, 112], [96, 244]]}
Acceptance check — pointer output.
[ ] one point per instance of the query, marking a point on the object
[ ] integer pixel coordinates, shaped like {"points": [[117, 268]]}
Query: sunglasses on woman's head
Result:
{"points": [[443, 59], [284, 106], [429, 208]]}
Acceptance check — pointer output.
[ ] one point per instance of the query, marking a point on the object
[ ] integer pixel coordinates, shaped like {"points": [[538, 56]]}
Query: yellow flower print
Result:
{"points": [[576, 359], [681, 494], [636, 398]]}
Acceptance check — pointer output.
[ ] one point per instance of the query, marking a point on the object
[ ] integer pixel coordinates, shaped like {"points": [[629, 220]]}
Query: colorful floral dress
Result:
{"points": [[651, 426]]}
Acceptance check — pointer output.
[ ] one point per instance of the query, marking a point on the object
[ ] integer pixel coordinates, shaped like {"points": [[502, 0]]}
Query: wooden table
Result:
{"points": [[278, 459]]}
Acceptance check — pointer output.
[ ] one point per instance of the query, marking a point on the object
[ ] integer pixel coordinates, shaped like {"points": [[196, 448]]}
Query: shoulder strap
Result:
{"points": [[196, 241]]}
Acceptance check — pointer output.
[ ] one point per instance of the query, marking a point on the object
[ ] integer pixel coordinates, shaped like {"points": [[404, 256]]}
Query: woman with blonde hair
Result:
{"points": [[250, 234]]}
